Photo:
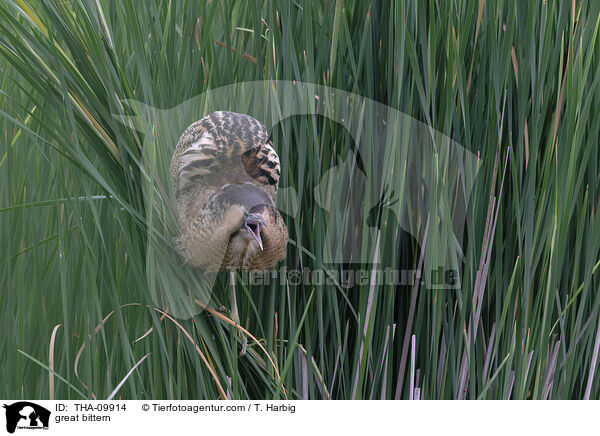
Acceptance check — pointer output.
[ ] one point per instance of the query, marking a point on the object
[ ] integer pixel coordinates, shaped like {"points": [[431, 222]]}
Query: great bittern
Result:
{"points": [[225, 173]]}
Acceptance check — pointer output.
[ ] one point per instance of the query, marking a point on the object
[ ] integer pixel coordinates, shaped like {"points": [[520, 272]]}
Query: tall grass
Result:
{"points": [[515, 83]]}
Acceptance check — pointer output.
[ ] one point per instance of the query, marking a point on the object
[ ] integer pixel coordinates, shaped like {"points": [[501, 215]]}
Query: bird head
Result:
{"points": [[251, 225]]}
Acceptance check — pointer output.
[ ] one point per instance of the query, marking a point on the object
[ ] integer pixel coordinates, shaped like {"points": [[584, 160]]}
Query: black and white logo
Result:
{"points": [[26, 415]]}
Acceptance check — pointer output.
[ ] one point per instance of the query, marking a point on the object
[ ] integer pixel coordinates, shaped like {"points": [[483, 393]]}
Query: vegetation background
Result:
{"points": [[75, 311]]}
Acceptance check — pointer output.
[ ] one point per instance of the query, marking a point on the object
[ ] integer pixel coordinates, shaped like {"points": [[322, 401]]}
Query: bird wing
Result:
{"points": [[225, 147], [224, 167]]}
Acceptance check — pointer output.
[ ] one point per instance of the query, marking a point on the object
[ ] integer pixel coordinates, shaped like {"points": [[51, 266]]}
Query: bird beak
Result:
{"points": [[262, 221], [256, 235], [259, 240]]}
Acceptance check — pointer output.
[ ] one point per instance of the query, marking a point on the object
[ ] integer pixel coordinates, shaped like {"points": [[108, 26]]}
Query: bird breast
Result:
{"points": [[241, 250]]}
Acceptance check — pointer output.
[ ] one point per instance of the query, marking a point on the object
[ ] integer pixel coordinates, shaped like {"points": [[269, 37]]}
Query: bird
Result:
{"points": [[225, 173]]}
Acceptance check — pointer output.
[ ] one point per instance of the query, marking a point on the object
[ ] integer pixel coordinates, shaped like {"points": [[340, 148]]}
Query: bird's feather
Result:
{"points": [[224, 166], [225, 147]]}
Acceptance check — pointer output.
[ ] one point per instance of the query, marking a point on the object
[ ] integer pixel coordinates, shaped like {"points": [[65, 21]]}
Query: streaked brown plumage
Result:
{"points": [[225, 173]]}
